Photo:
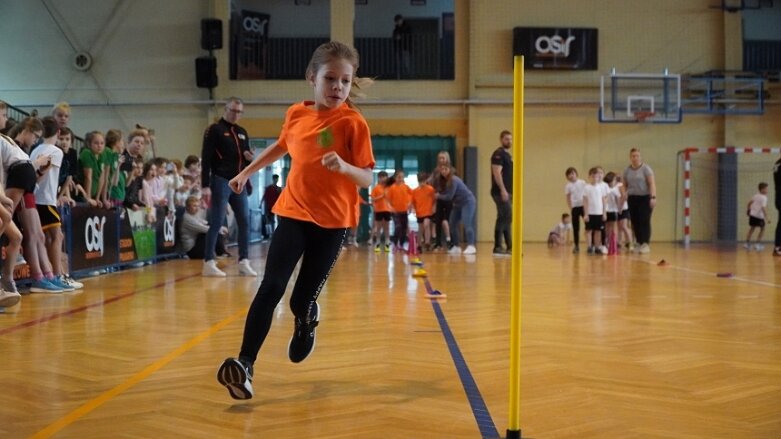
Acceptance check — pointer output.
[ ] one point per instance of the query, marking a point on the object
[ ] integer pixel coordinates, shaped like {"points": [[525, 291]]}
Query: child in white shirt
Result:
{"points": [[573, 191], [757, 217], [595, 213], [559, 235]]}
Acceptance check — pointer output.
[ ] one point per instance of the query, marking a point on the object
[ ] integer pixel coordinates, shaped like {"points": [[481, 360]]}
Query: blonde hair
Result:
{"points": [[332, 50], [61, 106]]}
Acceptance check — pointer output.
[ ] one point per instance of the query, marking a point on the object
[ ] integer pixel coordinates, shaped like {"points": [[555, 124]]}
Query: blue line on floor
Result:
{"points": [[484, 421]]}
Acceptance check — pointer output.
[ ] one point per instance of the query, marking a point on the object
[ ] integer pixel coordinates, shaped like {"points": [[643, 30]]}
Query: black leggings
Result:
{"points": [[400, 227], [640, 216], [577, 214], [778, 228], [292, 238]]}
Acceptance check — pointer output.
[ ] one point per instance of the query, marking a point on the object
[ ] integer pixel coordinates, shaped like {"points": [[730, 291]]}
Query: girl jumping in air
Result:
{"points": [[330, 149]]}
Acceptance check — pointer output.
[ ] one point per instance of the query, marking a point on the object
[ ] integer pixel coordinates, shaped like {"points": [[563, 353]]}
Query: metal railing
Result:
{"points": [[418, 57], [19, 115]]}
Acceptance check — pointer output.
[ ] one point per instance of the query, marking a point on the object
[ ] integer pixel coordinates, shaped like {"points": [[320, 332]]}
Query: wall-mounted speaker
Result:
{"points": [[211, 33], [206, 71]]}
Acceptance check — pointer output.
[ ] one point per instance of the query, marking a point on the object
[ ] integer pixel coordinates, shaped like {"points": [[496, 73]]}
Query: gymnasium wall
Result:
{"points": [[561, 115]]}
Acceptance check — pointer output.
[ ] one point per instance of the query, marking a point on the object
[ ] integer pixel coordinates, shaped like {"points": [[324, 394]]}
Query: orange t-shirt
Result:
{"points": [[312, 192], [380, 198], [399, 196], [423, 199]]}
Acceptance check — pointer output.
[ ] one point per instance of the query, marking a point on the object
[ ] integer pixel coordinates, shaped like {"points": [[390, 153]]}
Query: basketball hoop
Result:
{"points": [[642, 116]]}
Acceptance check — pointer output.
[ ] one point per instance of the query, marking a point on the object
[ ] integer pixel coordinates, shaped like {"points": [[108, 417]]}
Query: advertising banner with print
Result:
{"points": [[127, 246], [249, 45], [94, 242], [556, 48], [142, 228], [165, 228]]}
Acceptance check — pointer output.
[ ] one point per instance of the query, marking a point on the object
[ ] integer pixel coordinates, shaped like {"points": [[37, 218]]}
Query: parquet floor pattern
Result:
{"points": [[613, 347]]}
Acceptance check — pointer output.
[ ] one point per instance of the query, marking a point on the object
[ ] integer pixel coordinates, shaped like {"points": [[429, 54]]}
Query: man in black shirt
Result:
{"points": [[501, 192], [225, 153]]}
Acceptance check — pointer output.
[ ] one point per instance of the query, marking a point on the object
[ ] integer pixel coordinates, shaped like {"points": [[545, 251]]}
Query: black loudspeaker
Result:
{"points": [[206, 71], [211, 33]]}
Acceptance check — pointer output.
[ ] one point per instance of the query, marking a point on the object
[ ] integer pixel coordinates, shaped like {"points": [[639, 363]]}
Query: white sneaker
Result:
{"points": [[456, 250], [644, 249], [602, 250], [66, 278], [470, 250], [759, 247], [210, 269], [9, 298], [747, 246], [245, 269]]}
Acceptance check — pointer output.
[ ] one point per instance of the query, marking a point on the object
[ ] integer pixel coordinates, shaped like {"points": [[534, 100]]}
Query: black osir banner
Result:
{"points": [[556, 48], [94, 238], [165, 228], [249, 45]]}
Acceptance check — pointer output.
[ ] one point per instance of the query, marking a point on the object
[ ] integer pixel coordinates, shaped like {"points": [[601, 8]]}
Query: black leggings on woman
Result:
{"points": [[640, 215], [292, 238]]}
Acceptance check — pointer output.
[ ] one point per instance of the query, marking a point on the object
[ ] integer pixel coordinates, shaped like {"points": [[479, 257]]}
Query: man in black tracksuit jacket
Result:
{"points": [[225, 153]]}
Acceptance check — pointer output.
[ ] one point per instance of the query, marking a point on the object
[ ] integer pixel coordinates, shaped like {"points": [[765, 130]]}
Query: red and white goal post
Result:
{"points": [[702, 186]]}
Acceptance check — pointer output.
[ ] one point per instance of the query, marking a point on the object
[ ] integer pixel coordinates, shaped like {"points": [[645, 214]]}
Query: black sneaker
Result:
{"points": [[237, 377], [302, 343]]}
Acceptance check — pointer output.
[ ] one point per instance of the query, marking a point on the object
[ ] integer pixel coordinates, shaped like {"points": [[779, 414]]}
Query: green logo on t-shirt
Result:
{"points": [[325, 138]]}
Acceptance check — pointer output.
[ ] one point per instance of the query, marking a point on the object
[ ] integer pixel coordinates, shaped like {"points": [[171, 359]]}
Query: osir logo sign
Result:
{"points": [[555, 45], [254, 24], [93, 234], [168, 229]]}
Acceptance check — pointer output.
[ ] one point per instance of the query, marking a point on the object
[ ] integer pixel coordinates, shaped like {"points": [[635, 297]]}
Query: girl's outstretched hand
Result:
{"points": [[237, 183], [333, 162]]}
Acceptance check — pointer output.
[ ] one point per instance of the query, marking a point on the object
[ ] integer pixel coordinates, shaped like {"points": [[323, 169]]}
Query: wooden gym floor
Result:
{"points": [[613, 347]]}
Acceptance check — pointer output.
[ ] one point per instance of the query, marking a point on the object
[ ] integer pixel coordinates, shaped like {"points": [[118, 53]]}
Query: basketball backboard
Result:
{"points": [[640, 97]]}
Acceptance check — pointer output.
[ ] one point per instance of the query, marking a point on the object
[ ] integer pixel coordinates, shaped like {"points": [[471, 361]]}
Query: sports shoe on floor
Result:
{"points": [[499, 252], [376, 248], [455, 250], [644, 249], [302, 343], [9, 299], [602, 250], [759, 247], [590, 251], [245, 269], [65, 278], [44, 286], [387, 248], [575, 250], [8, 285], [470, 250], [210, 269], [57, 282], [237, 377], [777, 251]]}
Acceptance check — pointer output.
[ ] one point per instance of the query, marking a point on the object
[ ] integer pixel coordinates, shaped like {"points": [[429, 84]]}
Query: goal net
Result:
{"points": [[717, 185]]}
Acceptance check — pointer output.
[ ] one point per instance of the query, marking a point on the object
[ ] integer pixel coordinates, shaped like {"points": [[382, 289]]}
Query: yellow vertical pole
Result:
{"points": [[514, 427]]}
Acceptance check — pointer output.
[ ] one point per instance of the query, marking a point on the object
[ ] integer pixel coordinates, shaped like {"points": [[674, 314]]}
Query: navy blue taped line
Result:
{"points": [[480, 411]]}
